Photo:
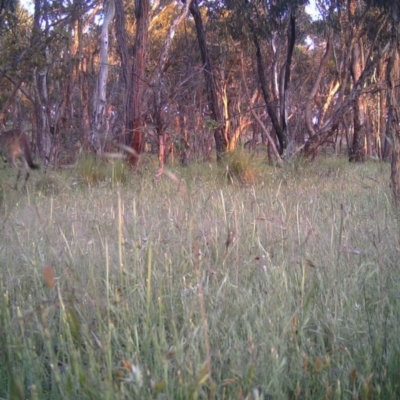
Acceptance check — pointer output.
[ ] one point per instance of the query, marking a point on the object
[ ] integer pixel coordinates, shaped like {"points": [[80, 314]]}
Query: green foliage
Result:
{"points": [[135, 291]]}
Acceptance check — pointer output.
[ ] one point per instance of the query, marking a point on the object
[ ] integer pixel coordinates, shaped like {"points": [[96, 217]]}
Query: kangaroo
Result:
{"points": [[15, 144]]}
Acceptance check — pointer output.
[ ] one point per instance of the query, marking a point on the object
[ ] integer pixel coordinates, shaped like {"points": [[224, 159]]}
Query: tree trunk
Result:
{"points": [[258, 119], [126, 64], [330, 126], [284, 93], [184, 144], [42, 112], [393, 99], [156, 87], [267, 98], [100, 101], [134, 115], [221, 142], [357, 151], [384, 148], [311, 96]]}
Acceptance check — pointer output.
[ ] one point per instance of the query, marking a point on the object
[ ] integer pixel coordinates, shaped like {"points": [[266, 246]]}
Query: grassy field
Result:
{"points": [[191, 287]]}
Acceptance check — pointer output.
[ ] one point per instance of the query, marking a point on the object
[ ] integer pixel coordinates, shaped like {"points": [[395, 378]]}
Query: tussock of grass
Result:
{"points": [[135, 291], [242, 167], [49, 184], [93, 170]]}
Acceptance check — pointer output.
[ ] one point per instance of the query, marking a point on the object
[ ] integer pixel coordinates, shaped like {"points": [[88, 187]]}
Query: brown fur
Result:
{"points": [[14, 144]]}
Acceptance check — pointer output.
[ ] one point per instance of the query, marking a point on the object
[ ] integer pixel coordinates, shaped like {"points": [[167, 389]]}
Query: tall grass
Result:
{"points": [[285, 289]]}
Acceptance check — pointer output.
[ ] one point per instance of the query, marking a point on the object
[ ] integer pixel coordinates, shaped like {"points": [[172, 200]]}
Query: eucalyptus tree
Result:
{"points": [[229, 56], [271, 28], [7, 15], [144, 89], [365, 26], [356, 64], [221, 141], [323, 29], [23, 50], [215, 103], [392, 8], [77, 74], [44, 64], [156, 84], [134, 116], [100, 98], [15, 28], [388, 61], [42, 32], [359, 44], [123, 38], [393, 81], [186, 116]]}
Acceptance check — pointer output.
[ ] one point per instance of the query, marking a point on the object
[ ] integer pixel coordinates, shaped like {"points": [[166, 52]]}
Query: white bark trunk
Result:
{"points": [[98, 123]]}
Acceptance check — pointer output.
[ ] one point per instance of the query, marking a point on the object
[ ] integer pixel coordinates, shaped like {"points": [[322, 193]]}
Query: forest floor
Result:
{"points": [[196, 286]]}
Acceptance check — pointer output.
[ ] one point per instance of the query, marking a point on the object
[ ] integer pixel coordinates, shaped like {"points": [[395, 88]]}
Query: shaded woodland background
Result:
{"points": [[203, 77]]}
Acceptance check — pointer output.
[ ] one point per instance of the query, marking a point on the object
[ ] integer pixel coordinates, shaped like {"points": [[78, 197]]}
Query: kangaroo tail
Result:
{"points": [[27, 152]]}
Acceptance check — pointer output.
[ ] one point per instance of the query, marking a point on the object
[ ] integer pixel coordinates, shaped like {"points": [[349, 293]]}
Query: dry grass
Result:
{"points": [[286, 289]]}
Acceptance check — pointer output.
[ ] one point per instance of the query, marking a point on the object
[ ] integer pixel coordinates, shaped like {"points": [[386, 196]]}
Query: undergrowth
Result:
{"points": [[189, 287]]}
